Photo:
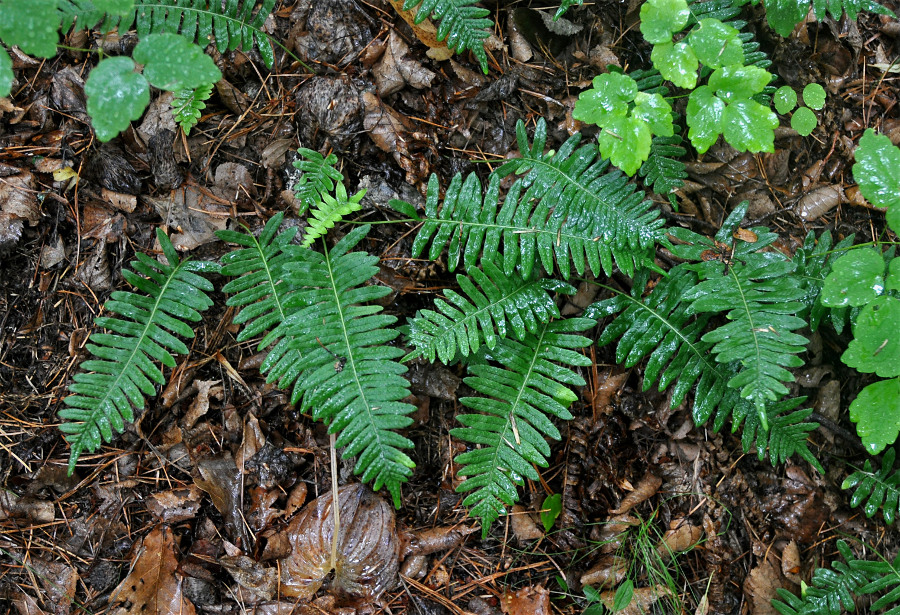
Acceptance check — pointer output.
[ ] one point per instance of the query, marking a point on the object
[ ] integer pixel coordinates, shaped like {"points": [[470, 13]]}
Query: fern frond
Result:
{"points": [[187, 105], [786, 435], [348, 376], [318, 178], [497, 305], [565, 208], [329, 211], [232, 24], [663, 171], [261, 290], [85, 14], [513, 419], [814, 259], [124, 372], [832, 590], [879, 489], [462, 25], [564, 6]]}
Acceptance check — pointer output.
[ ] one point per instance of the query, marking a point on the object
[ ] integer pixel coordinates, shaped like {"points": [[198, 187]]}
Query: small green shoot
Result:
{"points": [[550, 510]]}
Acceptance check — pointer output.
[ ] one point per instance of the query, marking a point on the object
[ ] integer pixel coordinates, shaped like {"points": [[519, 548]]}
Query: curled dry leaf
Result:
{"points": [[18, 205], [760, 586], [523, 525], [819, 202], [790, 562], [368, 547], [533, 600], [680, 536], [152, 586], [12, 505], [644, 490], [426, 542], [395, 69], [608, 572], [175, 504]]}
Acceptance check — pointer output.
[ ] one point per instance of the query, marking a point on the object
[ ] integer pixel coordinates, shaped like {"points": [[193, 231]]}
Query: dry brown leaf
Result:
{"points": [[609, 572], [18, 205], [426, 542], [119, 200], [59, 581], [99, 222], [175, 504], [614, 532], [384, 125], [152, 587], [221, 479], [534, 600], [200, 405], [395, 69], [195, 213], [680, 536], [641, 601], [790, 562], [251, 575], [94, 271], [26, 605], [368, 556], [645, 489], [760, 586], [12, 505], [523, 525], [261, 512]]}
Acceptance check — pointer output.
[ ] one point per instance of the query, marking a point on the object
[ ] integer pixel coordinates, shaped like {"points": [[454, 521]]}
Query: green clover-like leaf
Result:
{"points": [[608, 96], [172, 62], [749, 126], [783, 15], [856, 278], [656, 111], [876, 412], [677, 63], [814, 96], [785, 99], [704, 117], [116, 95], [6, 73], [877, 171], [660, 19], [33, 25], [893, 279], [804, 121], [626, 142], [876, 339], [739, 82], [716, 44]]}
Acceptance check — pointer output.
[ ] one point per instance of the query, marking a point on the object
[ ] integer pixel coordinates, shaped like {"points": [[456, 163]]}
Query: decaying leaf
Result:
{"points": [[534, 600], [614, 532], [200, 405], [175, 504], [395, 69], [426, 32], [368, 547], [194, 212], [641, 601], [426, 542], [221, 479], [790, 562], [12, 505], [644, 490], [152, 587], [608, 572], [26, 605], [760, 586], [523, 525], [816, 203], [18, 205], [252, 575], [680, 536], [59, 581]]}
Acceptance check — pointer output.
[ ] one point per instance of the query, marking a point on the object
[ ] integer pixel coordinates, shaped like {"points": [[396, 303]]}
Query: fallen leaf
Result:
{"points": [[523, 525], [645, 489], [641, 601], [395, 70], [120, 201], [534, 600], [200, 405], [152, 587], [195, 213], [252, 575], [790, 562], [368, 547], [680, 536], [100, 223], [608, 572], [26, 605], [426, 542], [18, 205], [614, 532], [221, 479], [59, 581], [425, 31], [12, 505], [760, 586], [175, 504]]}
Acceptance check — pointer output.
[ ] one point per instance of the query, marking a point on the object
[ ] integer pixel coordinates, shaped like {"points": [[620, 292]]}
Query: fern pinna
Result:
{"points": [[879, 489], [463, 25], [566, 208], [514, 412], [832, 590], [124, 370]]}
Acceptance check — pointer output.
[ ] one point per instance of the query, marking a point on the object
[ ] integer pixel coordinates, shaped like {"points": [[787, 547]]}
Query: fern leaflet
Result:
{"points": [[565, 208], [463, 26], [663, 170], [348, 376], [496, 301], [318, 178], [329, 211], [564, 6], [187, 105], [879, 489], [124, 370], [513, 418], [832, 590]]}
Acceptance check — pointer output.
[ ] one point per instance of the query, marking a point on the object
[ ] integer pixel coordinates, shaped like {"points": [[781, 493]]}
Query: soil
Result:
{"points": [[171, 480]]}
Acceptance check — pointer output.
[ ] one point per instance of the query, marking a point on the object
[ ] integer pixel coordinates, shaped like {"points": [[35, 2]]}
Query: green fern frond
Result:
{"points": [[348, 376], [565, 208], [497, 304], [319, 177], [832, 590], [513, 419], [663, 171], [786, 435], [124, 371], [564, 6], [187, 105], [260, 291], [463, 26], [232, 24], [814, 259], [329, 212], [86, 14], [879, 489]]}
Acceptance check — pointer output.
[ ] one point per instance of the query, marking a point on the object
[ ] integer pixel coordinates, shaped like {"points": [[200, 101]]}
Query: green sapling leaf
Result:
{"points": [[677, 63], [785, 99], [877, 171], [660, 19], [6, 73], [814, 96], [550, 510], [656, 111], [739, 82], [623, 596], [608, 96], [749, 126], [856, 278], [876, 339], [804, 121], [716, 44], [876, 412], [172, 62], [626, 142], [33, 25], [704, 117], [116, 95]]}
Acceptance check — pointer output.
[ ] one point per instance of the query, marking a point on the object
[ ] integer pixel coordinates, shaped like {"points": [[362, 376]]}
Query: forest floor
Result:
{"points": [[209, 477]]}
